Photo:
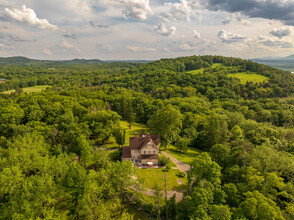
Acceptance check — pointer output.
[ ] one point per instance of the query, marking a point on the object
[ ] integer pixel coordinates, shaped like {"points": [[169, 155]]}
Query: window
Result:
{"points": [[149, 152], [154, 151], [144, 152]]}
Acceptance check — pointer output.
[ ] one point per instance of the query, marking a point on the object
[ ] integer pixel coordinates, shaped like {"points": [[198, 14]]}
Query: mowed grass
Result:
{"points": [[29, 89], [152, 176], [136, 127], [187, 157], [249, 77]]}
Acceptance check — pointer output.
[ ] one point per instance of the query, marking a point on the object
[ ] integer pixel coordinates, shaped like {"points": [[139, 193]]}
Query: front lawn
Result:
{"points": [[187, 157], [150, 176]]}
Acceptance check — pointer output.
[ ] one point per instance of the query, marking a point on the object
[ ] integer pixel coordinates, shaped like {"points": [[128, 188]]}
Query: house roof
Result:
{"points": [[126, 152], [140, 142], [149, 157]]}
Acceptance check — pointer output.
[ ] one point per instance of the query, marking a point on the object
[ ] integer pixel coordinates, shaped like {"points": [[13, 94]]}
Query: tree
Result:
{"points": [[257, 206], [182, 144], [120, 136], [215, 132], [121, 178], [167, 122], [220, 153], [157, 195], [203, 168]]}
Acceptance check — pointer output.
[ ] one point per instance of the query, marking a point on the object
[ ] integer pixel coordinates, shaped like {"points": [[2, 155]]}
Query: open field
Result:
{"points": [[249, 77], [150, 176], [29, 89], [184, 157]]}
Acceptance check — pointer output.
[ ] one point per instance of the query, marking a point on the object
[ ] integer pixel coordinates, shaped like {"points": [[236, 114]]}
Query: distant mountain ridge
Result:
{"points": [[19, 60], [290, 57], [283, 63]]}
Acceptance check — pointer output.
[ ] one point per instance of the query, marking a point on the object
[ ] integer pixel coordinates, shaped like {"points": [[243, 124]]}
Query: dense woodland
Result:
{"points": [[50, 168]]}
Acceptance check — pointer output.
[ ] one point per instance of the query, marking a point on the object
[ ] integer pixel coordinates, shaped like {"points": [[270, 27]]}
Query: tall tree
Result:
{"points": [[167, 122]]}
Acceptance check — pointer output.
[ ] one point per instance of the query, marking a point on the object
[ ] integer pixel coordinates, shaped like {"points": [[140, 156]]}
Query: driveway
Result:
{"points": [[180, 165], [179, 194]]}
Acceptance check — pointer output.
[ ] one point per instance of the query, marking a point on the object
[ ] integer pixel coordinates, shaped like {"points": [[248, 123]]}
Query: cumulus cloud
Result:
{"points": [[227, 20], [135, 9], [280, 33], [163, 30], [273, 42], [136, 49], [196, 34], [70, 35], [228, 37], [27, 16], [270, 9], [177, 11]]}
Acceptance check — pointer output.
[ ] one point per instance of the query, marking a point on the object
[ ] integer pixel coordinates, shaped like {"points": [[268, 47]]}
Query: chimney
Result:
{"points": [[135, 134]]}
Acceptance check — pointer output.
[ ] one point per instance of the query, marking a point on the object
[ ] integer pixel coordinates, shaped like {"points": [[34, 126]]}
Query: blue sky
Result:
{"points": [[143, 29]]}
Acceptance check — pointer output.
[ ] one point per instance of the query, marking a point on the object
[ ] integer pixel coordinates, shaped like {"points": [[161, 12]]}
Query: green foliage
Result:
{"points": [[163, 160], [167, 122], [52, 164]]}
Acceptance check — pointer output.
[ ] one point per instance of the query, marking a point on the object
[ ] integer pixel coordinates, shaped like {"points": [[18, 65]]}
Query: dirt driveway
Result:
{"points": [[180, 165]]}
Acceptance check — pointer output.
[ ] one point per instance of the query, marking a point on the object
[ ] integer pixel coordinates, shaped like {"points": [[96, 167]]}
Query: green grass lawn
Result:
{"points": [[184, 157], [150, 176], [136, 127], [29, 89], [250, 77]]}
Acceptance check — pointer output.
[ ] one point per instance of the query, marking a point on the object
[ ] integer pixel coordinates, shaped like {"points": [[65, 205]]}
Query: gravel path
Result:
{"points": [[179, 194], [182, 166]]}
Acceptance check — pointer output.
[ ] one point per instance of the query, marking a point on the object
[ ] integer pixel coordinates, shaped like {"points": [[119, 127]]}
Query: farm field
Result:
{"points": [[249, 77], [29, 89]]}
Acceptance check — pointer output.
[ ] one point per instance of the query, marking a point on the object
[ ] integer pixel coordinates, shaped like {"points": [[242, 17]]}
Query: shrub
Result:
{"points": [[163, 160]]}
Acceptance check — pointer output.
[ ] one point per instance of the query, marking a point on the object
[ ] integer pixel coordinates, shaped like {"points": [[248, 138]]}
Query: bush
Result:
{"points": [[181, 174], [163, 160]]}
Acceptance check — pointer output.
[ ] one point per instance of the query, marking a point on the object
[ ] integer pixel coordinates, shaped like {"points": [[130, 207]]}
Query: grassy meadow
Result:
{"points": [[249, 77], [29, 89]]}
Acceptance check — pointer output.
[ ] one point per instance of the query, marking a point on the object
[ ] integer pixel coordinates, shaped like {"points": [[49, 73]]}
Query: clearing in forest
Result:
{"points": [[249, 77]]}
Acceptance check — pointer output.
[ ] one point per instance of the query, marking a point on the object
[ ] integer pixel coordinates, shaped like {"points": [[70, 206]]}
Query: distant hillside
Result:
{"points": [[18, 60], [33, 62], [283, 63]]}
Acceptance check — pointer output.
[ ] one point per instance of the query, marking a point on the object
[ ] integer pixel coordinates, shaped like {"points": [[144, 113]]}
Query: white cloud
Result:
{"points": [[196, 34], [136, 49], [272, 42], [67, 45], [177, 11], [163, 30], [28, 16], [228, 37], [186, 46], [227, 20], [47, 51], [136, 9], [280, 33]]}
